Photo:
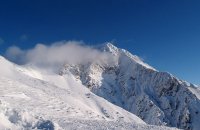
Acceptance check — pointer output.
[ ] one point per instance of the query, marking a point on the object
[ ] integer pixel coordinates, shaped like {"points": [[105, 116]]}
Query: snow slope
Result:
{"points": [[31, 99], [156, 97]]}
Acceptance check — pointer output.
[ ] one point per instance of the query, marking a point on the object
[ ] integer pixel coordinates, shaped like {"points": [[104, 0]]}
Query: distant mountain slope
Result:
{"points": [[158, 98], [30, 99]]}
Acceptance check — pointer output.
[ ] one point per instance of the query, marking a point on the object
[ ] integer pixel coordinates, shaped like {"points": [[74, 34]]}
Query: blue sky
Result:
{"points": [[165, 33]]}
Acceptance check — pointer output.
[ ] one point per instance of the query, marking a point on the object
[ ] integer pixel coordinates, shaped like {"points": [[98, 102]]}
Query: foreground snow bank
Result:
{"points": [[20, 119]]}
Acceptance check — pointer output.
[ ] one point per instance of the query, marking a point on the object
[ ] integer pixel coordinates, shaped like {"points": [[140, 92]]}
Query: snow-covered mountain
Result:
{"points": [[123, 93], [156, 97], [31, 99]]}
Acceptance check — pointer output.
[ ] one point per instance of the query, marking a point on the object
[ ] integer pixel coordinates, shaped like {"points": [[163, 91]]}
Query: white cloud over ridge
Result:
{"points": [[57, 54]]}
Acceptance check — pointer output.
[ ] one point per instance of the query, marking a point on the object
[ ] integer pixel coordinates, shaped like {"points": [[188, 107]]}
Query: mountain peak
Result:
{"points": [[109, 47]]}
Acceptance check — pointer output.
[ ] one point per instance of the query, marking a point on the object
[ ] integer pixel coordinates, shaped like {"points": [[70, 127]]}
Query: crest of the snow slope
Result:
{"points": [[158, 98]]}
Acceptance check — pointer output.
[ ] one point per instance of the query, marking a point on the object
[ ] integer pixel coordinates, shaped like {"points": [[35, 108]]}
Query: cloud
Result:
{"points": [[15, 54], [57, 54], [1, 41]]}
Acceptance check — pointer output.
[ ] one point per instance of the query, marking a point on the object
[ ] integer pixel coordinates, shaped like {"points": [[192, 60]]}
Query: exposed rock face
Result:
{"points": [[158, 98]]}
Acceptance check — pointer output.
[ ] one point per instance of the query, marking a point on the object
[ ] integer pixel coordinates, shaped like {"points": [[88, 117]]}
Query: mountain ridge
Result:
{"points": [[31, 99], [133, 82]]}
